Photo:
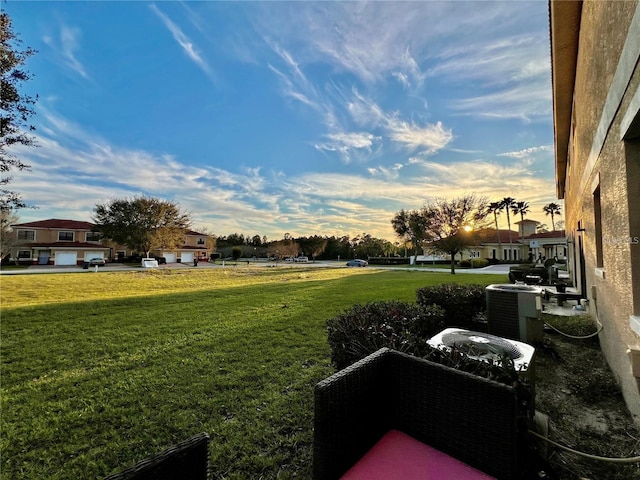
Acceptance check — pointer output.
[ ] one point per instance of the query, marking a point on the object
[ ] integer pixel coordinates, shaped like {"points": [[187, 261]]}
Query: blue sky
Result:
{"points": [[296, 117]]}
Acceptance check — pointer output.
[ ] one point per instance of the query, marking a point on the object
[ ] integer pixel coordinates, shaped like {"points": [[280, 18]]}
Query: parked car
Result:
{"points": [[301, 259], [161, 260], [93, 262], [357, 263]]}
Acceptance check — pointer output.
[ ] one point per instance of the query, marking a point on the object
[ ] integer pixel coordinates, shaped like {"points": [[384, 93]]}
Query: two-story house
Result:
{"points": [[196, 245], [72, 242], [58, 242]]}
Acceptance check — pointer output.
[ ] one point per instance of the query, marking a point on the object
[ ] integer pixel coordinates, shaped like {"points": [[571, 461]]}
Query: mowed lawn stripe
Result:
{"points": [[97, 382]]}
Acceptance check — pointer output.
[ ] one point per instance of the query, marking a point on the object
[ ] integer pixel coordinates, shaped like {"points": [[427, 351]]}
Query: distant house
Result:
{"points": [[195, 246], [58, 242], [595, 59], [72, 242]]}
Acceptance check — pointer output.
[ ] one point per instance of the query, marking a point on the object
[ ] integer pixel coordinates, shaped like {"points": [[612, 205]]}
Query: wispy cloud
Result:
{"points": [[69, 43], [389, 173], [429, 138], [523, 101], [348, 143], [291, 90], [527, 152], [185, 42]]}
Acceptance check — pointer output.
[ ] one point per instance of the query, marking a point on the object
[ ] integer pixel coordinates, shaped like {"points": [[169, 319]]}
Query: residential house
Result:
{"points": [[72, 242], [595, 59], [196, 246], [486, 245], [58, 242]]}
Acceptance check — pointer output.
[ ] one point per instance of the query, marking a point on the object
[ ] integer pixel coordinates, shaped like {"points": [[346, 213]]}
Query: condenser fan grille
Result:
{"points": [[481, 344]]}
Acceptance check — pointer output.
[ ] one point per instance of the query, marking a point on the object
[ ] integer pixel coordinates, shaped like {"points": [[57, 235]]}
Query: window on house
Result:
{"points": [[597, 210], [26, 234], [93, 237], [201, 241], [24, 253], [65, 236]]}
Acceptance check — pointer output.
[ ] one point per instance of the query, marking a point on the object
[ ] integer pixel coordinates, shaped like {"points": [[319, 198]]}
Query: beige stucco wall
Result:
{"points": [[614, 289]]}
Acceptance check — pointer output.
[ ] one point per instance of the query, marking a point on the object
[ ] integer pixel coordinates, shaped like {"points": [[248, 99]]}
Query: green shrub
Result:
{"points": [[363, 329], [463, 304], [479, 263], [474, 263]]}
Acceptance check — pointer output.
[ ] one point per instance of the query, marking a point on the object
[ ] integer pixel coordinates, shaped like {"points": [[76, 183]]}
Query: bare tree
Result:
{"points": [[452, 221]]}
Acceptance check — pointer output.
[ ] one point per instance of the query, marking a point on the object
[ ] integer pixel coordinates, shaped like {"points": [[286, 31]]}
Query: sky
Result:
{"points": [[286, 117]]}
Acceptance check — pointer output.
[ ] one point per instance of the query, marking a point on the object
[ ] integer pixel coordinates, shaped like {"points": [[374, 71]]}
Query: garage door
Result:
{"points": [[89, 255], [187, 257], [171, 257], [66, 258]]}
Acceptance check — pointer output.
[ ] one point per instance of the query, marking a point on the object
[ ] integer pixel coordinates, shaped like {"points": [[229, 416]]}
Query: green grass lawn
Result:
{"points": [[102, 370]]}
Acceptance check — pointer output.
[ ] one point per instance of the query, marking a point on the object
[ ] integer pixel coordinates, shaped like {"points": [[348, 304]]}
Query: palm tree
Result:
{"points": [[495, 208], [552, 209], [508, 203], [521, 208]]}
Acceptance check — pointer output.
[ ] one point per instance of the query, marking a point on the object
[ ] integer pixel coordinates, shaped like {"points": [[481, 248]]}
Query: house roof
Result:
{"points": [[57, 223], [488, 235], [526, 220], [193, 232]]}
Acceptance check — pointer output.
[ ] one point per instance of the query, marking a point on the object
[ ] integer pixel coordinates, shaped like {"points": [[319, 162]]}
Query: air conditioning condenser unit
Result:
{"points": [[515, 311]]}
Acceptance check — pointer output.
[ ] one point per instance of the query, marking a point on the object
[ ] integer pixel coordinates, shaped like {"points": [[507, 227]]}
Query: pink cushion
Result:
{"points": [[399, 456]]}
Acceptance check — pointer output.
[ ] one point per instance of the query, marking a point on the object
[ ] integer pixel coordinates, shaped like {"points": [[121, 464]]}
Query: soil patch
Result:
{"points": [[582, 399]]}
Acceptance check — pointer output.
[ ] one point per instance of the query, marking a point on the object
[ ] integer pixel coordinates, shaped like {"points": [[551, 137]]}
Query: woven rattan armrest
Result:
{"points": [[187, 460]]}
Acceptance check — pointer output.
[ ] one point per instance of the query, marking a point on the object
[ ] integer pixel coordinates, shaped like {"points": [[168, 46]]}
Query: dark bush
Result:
{"points": [[464, 263], [388, 260], [463, 304], [479, 263], [363, 329]]}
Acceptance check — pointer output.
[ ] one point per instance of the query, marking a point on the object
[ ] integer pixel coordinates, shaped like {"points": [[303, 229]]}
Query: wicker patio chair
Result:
{"points": [[187, 460], [477, 421]]}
